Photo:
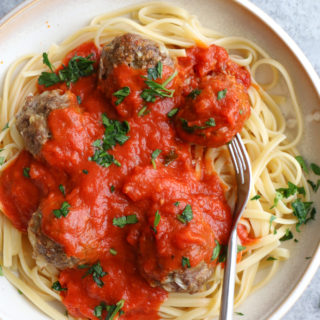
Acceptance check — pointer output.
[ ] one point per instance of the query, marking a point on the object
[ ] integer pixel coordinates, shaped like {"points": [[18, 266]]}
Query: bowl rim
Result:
{"points": [[307, 67]]}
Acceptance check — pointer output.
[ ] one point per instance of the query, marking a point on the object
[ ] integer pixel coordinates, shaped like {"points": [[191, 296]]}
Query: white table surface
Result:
{"points": [[301, 20]]}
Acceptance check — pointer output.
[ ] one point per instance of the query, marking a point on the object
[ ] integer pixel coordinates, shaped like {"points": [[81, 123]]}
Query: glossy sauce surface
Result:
{"points": [[97, 195]]}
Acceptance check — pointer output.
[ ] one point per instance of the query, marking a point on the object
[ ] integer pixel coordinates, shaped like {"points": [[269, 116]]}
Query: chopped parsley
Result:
{"points": [[314, 186], [171, 156], [156, 72], [121, 94], [240, 248], [222, 94], [115, 133], [239, 313], [57, 286], [307, 258], [177, 203], [111, 310], [302, 164], [85, 171], [256, 197], [77, 67], [315, 168], [185, 262], [172, 112], [2, 161], [156, 219], [5, 127], [272, 218], [79, 99], [113, 252], [216, 251], [112, 188], [143, 111], [156, 89], [194, 93], [26, 172], [287, 192], [190, 129], [154, 156], [1, 272], [271, 259], [19, 291], [288, 236], [63, 211], [124, 220], [62, 189], [303, 211], [223, 253], [296, 240], [186, 215], [96, 271]]}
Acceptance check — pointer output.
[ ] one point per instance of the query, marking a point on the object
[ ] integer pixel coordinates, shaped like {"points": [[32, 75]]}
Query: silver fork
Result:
{"points": [[242, 167]]}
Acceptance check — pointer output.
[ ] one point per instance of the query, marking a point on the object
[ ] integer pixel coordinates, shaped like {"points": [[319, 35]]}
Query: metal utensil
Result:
{"points": [[242, 167]]}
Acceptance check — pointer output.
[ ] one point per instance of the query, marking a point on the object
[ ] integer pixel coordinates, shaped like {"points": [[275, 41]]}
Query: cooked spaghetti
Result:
{"points": [[135, 159]]}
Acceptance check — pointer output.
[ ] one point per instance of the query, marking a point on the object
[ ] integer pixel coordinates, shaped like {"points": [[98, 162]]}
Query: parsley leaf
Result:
{"points": [[186, 215], [85, 171], [288, 236], [315, 168], [271, 258], [240, 248], [96, 271], [176, 203], [185, 262], [302, 210], [272, 218], [314, 186], [256, 197], [216, 251], [222, 94], [172, 112], [143, 111], [113, 252], [154, 156], [5, 127], [62, 189], [63, 211], [156, 89], [111, 310], [115, 132], [1, 272], [2, 161], [121, 94], [156, 72], [77, 67], [302, 164], [124, 220], [156, 219], [79, 99], [112, 188], [26, 172], [57, 286], [194, 93], [210, 123], [239, 313], [190, 129]]}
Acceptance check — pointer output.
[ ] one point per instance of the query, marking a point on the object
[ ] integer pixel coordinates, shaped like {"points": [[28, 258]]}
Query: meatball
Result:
{"points": [[132, 50], [31, 121], [215, 112], [45, 247], [189, 280]]}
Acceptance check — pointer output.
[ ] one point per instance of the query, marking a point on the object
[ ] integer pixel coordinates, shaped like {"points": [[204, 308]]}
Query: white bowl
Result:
{"points": [[36, 24]]}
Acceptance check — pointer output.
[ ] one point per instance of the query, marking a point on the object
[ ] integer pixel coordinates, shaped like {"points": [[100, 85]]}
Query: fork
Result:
{"points": [[242, 167]]}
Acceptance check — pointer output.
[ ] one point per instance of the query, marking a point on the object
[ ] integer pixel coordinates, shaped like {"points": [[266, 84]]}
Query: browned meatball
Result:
{"points": [[190, 280], [31, 121], [43, 246], [133, 50]]}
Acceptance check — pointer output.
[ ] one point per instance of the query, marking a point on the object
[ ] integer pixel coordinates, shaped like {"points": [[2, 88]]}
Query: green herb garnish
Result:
{"points": [[186, 215], [154, 156], [113, 252], [185, 262], [124, 220], [121, 94], [57, 286], [194, 93], [97, 273], [79, 99], [63, 211], [222, 94], [172, 112], [111, 310], [216, 251], [256, 197], [143, 111], [26, 172], [5, 127], [288, 236], [302, 164], [85, 171], [62, 189], [315, 168]]}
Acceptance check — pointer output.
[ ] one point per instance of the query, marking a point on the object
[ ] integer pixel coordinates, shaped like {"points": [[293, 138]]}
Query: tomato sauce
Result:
{"points": [[139, 186]]}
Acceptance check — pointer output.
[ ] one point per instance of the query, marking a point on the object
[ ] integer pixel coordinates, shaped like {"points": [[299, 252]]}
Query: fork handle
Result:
{"points": [[226, 309]]}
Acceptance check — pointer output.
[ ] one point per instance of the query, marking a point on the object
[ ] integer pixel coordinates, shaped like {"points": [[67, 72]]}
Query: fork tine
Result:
{"points": [[239, 147], [233, 156], [239, 160]]}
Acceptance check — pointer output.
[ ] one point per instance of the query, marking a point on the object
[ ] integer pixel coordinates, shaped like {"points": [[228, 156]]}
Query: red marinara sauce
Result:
{"points": [[97, 195]]}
